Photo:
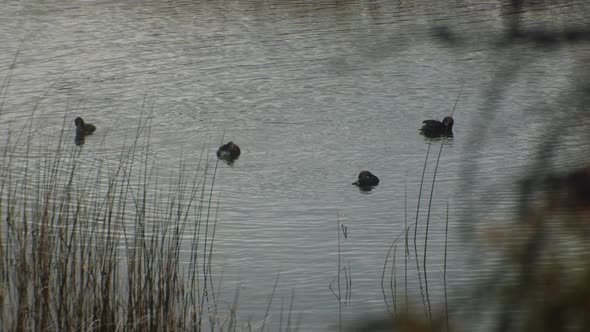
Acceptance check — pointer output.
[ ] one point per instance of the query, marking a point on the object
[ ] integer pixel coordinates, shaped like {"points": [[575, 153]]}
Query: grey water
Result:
{"points": [[313, 92]]}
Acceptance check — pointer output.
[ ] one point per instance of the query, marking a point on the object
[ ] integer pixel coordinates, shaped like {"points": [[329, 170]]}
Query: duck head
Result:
{"points": [[79, 122], [448, 123], [231, 146]]}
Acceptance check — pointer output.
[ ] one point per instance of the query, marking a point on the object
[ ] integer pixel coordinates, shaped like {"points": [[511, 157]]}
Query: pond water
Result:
{"points": [[313, 92]]}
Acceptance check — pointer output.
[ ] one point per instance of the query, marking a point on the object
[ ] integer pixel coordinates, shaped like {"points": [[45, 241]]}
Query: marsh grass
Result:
{"points": [[343, 272], [421, 269], [92, 245]]}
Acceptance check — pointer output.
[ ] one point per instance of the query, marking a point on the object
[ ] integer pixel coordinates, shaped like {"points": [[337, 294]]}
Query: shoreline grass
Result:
{"points": [[91, 247]]}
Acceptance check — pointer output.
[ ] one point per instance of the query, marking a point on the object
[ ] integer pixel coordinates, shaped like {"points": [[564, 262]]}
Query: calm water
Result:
{"points": [[313, 92]]}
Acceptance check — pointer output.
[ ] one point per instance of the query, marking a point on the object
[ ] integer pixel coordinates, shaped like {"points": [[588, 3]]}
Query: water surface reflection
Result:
{"points": [[313, 93]]}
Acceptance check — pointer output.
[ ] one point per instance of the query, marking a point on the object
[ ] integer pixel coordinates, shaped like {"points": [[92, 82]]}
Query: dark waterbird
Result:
{"points": [[82, 130], [435, 128], [229, 152], [366, 180]]}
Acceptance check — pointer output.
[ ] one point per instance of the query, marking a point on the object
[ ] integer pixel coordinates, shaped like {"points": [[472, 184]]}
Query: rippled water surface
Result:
{"points": [[313, 92]]}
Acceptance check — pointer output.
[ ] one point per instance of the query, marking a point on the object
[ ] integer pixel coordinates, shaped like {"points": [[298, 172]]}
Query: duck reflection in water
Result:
{"points": [[436, 129], [229, 152], [82, 130], [366, 181]]}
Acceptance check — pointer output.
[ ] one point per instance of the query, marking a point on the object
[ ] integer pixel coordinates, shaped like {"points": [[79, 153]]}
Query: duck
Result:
{"points": [[366, 180], [82, 130], [229, 151], [435, 128]]}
